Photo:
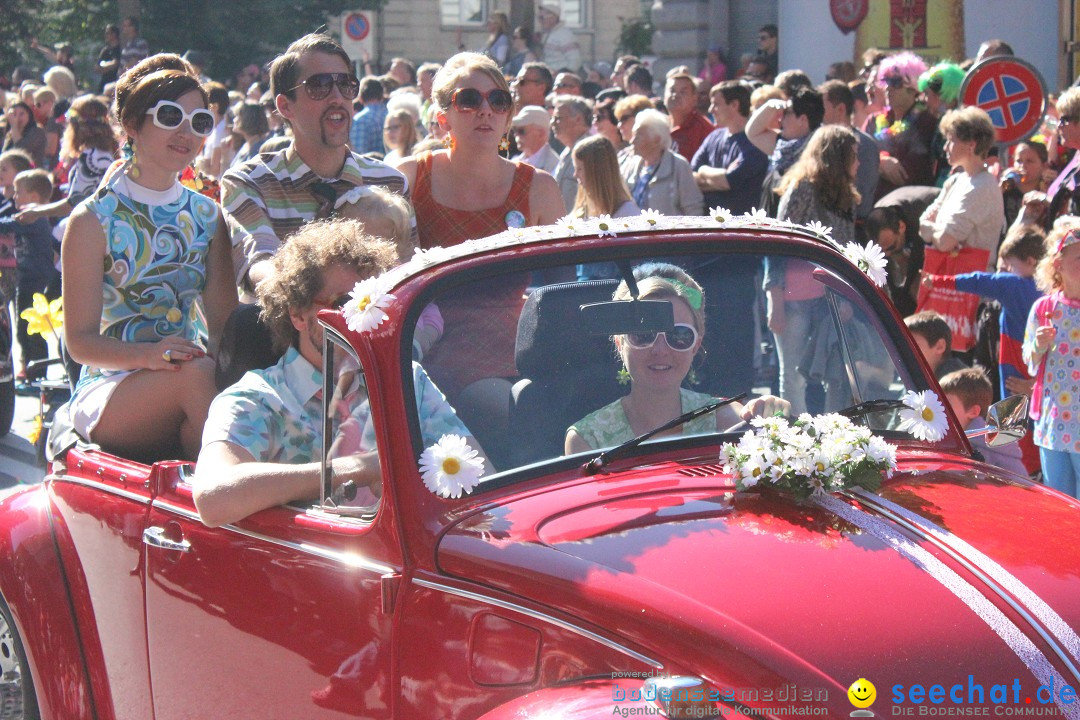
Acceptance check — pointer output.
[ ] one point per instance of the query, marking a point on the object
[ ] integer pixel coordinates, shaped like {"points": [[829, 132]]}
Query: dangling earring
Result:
{"points": [[623, 376], [133, 166], [447, 141], [504, 144]]}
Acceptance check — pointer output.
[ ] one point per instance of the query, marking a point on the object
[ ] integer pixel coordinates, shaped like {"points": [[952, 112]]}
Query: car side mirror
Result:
{"points": [[1006, 421]]}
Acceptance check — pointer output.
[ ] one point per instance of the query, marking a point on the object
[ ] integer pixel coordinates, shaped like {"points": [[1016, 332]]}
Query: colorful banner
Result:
{"points": [[932, 28]]}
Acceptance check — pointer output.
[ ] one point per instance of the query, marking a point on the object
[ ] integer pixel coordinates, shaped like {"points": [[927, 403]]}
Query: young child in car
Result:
{"points": [[969, 394], [387, 215]]}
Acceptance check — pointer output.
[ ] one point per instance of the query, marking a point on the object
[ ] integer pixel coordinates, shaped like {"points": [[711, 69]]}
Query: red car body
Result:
{"points": [[545, 597]]}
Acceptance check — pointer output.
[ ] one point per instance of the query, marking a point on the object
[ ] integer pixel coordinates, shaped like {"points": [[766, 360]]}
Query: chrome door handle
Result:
{"points": [[155, 537]]}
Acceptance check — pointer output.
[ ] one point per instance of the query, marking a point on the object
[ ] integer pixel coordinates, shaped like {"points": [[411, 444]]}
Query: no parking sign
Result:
{"points": [[1012, 93], [358, 33]]}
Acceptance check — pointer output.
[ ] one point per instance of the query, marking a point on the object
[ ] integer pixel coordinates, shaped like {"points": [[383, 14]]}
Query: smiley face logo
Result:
{"points": [[862, 693]]}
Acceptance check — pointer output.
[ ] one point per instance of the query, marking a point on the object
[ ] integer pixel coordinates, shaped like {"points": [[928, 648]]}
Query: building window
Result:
{"points": [[464, 12], [573, 13], [475, 12]]}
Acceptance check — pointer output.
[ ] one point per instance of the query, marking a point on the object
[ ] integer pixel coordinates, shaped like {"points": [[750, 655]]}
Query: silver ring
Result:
{"points": [[167, 356]]}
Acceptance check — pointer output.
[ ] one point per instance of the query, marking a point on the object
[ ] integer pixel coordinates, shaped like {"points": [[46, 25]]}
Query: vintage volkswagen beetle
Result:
{"points": [[550, 590]]}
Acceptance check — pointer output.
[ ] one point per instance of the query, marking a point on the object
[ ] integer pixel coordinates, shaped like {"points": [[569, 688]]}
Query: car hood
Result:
{"points": [[944, 574]]}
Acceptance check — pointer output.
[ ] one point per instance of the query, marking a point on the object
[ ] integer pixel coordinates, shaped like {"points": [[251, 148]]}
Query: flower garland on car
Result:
{"points": [[816, 455], [812, 456]]}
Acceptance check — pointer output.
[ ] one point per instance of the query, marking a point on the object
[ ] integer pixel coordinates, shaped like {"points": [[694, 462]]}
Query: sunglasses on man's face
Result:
{"points": [[333, 303], [469, 100], [318, 86], [168, 115], [895, 82], [682, 338]]}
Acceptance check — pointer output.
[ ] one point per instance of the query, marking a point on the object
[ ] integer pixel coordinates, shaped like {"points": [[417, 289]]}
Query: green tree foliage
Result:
{"points": [[79, 22], [234, 34]]}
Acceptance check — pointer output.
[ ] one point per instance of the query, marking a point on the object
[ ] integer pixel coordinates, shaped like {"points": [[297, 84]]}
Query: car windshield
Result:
{"points": [[532, 363]]}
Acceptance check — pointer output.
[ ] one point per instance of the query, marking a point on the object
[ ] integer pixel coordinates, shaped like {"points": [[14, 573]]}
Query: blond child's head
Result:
{"points": [[1066, 234], [32, 187], [384, 214]]}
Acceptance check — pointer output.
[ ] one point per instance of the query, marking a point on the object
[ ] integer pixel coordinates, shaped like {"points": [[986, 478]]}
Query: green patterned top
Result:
{"points": [[609, 425], [155, 262]]}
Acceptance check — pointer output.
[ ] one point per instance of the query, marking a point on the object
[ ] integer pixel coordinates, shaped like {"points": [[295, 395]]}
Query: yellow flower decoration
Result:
{"points": [[35, 430], [44, 316]]}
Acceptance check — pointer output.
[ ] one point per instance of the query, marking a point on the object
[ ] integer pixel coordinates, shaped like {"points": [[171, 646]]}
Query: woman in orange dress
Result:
{"points": [[469, 191]]}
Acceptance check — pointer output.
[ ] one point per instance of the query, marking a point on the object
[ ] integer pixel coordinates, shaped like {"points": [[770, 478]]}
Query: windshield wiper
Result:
{"points": [[871, 406], [599, 462]]}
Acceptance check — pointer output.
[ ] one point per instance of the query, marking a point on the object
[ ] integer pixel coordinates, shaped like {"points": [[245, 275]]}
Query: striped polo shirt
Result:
{"points": [[268, 198]]}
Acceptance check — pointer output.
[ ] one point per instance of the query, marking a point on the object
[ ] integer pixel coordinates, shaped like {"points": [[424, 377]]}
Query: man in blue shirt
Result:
{"points": [[730, 170], [366, 135]]}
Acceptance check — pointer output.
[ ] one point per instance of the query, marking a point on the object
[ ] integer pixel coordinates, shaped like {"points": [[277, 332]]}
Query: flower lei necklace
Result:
{"points": [[883, 130]]}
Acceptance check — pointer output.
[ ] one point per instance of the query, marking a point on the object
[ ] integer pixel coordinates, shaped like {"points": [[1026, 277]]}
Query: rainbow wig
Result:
{"points": [[945, 79], [905, 64]]}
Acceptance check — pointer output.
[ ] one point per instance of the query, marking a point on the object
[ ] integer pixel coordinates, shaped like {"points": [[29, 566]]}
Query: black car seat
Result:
{"points": [[246, 344], [566, 373]]}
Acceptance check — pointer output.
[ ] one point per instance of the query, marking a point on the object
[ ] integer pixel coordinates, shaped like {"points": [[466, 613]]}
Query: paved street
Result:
{"points": [[17, 459], [18, 462]]}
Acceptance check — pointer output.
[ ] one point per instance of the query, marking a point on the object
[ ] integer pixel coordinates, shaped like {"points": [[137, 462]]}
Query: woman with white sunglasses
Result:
{"points": [[138, 257], [656, 365]]}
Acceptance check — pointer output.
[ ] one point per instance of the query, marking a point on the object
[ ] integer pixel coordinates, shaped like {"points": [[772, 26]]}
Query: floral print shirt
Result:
{"points": [[609, 425], [276, 413], [155, 262]]}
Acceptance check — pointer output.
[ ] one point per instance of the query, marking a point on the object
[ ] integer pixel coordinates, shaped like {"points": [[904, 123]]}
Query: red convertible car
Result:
{"points": [[646, 582]]}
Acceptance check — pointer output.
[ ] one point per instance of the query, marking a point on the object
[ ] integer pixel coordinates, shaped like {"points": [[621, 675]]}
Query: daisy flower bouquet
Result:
{"points": [[811, 456]]}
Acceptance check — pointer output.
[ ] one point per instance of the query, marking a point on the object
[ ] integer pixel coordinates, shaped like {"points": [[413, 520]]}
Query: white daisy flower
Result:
{"points": [[870, 259], [720, 215], [451, 467], [570, 225], [819, 228], [368, 300], [652, 217], [757, 216], [924, 416], [605, 226]]}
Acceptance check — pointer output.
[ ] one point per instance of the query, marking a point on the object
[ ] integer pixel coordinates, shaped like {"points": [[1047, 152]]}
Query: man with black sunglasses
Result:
{"points": [[268, 198]]}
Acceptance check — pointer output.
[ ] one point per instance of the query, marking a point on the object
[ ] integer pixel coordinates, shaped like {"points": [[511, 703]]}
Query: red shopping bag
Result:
{"points": [[958, 308]]}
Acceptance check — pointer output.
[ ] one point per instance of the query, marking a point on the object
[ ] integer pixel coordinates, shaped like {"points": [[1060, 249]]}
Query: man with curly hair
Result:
{"points": [[261, 443]]}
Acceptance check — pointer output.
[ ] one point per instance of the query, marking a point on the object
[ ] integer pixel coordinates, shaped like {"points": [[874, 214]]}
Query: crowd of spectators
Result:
{"points": [[879, 153]]}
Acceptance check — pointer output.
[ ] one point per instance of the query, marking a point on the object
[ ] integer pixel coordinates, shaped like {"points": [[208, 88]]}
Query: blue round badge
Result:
{"points": [[515, 219]]}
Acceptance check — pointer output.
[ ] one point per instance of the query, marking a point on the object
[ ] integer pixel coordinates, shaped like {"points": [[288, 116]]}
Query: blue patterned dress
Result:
{"points": [[155, 264]]}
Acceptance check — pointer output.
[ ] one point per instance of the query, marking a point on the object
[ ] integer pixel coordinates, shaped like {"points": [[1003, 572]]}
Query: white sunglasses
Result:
{"points": [[169, 116]]}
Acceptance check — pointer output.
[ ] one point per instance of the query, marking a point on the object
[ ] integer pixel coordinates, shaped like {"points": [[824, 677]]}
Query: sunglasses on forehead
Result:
{"points": [[168, 115], [318, 86], [469, 100], [682, 338]]}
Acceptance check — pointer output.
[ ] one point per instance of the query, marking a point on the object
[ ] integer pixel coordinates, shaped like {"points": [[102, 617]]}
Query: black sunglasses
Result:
{"points": [[318, 86], [333, 303], [895, 81], [935, 84], [469, 100]]}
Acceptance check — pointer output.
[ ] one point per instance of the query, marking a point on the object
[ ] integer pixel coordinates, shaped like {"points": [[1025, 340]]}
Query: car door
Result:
{"points": [[285, 614], [100, 504]]}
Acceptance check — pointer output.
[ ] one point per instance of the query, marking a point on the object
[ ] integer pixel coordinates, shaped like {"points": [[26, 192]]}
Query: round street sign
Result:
{"points": [[1012, 93], [357, 26]]}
